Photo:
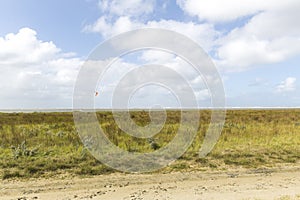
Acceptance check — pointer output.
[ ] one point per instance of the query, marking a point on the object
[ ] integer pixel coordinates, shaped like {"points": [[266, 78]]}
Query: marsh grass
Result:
{"points": [[47, 144]]}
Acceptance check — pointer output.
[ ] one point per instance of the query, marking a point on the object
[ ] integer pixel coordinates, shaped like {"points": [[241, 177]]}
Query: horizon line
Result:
{"points": [[142, 108]]}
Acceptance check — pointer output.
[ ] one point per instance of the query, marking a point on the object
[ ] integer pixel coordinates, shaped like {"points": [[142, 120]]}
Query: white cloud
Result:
{"points": [[222, 11], [246, 51], [108, 28], [288, 85], [269, 37], [24, 47], [128, 7], [203, 95], [35, 73], [203, 34], [123, 68], [269, 33], [157, 56]]}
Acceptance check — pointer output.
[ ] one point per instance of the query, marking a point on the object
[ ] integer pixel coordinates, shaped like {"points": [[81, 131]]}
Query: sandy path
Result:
{"points": [[176, 186]]}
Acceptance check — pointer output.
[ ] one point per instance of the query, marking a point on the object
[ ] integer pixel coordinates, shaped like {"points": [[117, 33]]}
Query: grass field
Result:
{"points": [[47, 144]]}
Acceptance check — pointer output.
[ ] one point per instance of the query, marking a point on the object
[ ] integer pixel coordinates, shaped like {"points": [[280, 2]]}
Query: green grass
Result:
{"points": [[47, 144]]}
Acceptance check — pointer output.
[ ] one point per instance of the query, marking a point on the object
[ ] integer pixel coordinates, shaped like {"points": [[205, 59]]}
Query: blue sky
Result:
{"points": [[255, 46], [58, 21]]}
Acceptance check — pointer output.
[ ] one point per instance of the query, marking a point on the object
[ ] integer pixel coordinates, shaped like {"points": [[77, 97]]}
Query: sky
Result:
{"points": [[254, 44]]}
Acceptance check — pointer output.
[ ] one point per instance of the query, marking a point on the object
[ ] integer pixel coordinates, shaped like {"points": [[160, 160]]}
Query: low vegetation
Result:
{"points": [[47, 144]]}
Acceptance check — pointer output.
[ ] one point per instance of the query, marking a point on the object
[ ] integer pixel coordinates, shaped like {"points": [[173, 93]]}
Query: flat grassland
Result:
{"points": [[46, 145]]}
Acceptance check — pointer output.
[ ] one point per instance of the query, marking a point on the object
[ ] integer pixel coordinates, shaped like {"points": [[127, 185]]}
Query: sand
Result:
{"points": [[247, 184]]}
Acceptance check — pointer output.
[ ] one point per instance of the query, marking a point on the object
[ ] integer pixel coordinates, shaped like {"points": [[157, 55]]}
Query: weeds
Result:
{"points": [[46, 144], [21, 150]]}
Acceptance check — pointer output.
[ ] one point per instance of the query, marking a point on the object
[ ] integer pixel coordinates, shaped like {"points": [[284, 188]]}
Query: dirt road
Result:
{"points": [[251, 184]]}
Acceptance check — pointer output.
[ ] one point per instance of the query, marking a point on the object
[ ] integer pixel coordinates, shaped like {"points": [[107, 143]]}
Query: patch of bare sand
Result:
{"points": [[251, 184]]}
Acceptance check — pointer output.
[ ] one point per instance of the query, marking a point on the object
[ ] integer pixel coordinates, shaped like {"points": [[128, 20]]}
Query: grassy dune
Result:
{"points": [[47, 144]]}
